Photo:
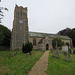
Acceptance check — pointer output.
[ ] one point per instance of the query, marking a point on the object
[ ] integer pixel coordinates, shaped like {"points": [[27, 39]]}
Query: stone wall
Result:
{"points": [[42, 46]]}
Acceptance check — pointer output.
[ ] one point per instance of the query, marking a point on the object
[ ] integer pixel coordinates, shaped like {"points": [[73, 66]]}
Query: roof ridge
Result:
{"points": [[38, 34], [41, 32]]}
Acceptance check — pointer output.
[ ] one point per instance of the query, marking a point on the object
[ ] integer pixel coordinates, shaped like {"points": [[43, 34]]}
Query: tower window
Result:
{"points": [[34, 42]]}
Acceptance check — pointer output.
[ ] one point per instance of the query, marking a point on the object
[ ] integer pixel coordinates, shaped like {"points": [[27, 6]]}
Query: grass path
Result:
{"points": [[41, 65]]}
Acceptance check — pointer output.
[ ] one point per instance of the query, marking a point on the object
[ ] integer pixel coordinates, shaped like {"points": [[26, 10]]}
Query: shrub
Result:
{"points": [[27, 48]]}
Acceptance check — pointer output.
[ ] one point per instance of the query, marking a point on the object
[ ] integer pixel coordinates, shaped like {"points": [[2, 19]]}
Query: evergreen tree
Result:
{"points": [[27, 48], [5, 35]]}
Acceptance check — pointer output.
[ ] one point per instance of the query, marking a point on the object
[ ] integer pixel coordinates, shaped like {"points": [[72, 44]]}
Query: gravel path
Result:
{"points": [[41, 65]]}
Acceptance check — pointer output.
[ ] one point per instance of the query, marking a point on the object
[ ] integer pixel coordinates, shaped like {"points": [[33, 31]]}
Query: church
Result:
{"points": [[21, 35]]}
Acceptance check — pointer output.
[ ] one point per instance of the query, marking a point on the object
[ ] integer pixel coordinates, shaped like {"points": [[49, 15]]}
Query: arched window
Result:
{"points": [[34, 42]]}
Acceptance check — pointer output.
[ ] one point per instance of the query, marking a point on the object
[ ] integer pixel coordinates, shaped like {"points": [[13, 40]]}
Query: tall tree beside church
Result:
{"points": [[65, 32], [73, 36], [68, 32], [5, 35]]}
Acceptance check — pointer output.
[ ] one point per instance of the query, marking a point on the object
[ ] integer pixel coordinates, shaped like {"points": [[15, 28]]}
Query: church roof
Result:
{"points": [[38, 34]]}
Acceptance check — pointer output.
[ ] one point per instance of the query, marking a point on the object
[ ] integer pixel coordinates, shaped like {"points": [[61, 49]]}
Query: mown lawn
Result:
{"points": [[60, 66], [20, 64]]}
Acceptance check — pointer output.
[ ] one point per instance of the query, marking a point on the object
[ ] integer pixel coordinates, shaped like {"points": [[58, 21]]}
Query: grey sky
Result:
{"points": [[49, 16]]}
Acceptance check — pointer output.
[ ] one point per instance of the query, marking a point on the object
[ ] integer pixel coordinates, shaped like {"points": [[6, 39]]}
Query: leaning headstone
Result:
{"points": [[67, 57], [73, 51], [53, 53], [57, 54]]}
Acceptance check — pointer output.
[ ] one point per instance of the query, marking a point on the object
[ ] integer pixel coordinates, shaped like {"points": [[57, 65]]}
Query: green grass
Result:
{"points": [[60, 66], [20, 64]]}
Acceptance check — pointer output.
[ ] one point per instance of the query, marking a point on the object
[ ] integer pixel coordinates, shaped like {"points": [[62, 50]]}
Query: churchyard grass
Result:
{"points": [[19, 64], [60, 66]]}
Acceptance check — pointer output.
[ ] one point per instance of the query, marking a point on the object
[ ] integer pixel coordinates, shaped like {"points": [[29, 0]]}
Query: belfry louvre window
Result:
{"points": [[34, 42]]}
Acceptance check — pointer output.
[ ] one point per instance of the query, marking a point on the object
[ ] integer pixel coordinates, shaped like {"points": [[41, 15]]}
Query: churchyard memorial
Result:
{"points": [[65, 51]]}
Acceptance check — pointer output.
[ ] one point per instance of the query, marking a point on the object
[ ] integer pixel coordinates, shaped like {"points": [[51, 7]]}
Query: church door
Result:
{"points": [[47, 47]]}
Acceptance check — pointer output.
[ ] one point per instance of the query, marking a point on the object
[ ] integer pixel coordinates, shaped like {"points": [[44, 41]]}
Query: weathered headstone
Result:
{"points": [[73, 51], [65, 48], [53, 53], [70, 51], [57, 54], [66, 53], [67, 57]]}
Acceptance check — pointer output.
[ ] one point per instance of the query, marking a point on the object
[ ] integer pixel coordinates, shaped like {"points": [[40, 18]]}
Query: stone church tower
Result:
{"points": [[20, 32]]}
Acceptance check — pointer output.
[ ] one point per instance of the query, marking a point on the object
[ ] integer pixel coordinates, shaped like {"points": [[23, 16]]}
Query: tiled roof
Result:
{"points": [[37, 34]]}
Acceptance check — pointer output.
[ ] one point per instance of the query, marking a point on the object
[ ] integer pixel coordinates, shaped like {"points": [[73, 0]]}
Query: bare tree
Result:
{"points": [[1, 12]]}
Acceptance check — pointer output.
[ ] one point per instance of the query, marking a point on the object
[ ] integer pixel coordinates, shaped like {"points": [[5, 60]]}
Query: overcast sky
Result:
{"points": [[49, 16]]}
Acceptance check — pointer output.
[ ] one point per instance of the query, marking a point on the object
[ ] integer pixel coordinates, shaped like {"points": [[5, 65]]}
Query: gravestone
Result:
{"points": [[67, 57], [70, 51], [57, 54], [66, 52], [65, 48], [73, 51], [53, 53]]}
